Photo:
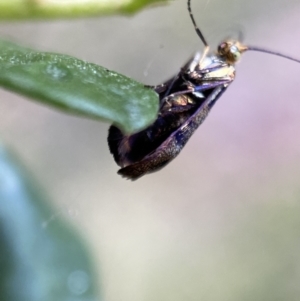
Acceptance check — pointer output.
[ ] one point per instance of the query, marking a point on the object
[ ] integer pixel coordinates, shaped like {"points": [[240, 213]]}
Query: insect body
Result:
{"points": [[185, 101]]}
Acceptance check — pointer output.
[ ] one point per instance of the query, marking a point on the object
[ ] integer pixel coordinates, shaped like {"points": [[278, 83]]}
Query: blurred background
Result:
{"points": [[222, 221]]}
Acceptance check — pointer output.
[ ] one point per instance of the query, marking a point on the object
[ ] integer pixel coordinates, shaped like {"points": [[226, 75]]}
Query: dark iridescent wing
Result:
{"points": [[119, 144], [172, 146]]}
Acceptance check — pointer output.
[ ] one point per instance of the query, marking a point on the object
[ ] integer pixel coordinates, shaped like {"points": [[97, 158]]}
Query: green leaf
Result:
{"points": [[77, 87], [41, 258], [28, 9]]}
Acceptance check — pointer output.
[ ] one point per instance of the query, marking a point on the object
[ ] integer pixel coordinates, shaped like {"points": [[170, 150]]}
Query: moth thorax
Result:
{"points": [[230, 51]]}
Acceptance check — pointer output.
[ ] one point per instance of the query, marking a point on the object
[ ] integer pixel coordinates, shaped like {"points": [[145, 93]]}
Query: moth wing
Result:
{"points": [[172, 146]]}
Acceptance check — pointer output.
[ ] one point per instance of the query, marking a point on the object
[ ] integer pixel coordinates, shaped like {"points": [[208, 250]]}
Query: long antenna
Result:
{"points": [[253, 48], [272, 52], [198, 31]]}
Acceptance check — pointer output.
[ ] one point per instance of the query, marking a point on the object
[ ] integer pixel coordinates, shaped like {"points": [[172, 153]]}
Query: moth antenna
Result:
{"points": [[272, 52], [198, 31]]}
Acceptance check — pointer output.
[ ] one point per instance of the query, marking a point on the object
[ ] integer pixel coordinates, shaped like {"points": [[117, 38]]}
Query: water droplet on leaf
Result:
{"points": [[57, 71]]}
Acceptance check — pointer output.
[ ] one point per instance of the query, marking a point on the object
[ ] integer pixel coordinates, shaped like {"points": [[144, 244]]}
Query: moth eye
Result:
{"points": [[235, 52], [223, 47], [233, 49]]}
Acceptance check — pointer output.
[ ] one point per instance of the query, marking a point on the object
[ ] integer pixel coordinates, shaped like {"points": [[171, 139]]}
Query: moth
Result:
{"points": [[185, 101]]}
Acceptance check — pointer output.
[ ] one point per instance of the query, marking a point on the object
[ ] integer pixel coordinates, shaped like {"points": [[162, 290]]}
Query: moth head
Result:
{"points": [[231, 51]]}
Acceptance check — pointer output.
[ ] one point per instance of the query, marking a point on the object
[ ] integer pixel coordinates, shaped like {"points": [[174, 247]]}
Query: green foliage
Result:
{"points": [[32, 9], [41, 258], [77, 87]]}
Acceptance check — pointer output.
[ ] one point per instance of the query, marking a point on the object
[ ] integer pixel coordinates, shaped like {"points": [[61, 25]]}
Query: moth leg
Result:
{"points": [[192, 63], [172, 84], [210, 85], [211, 69]]}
